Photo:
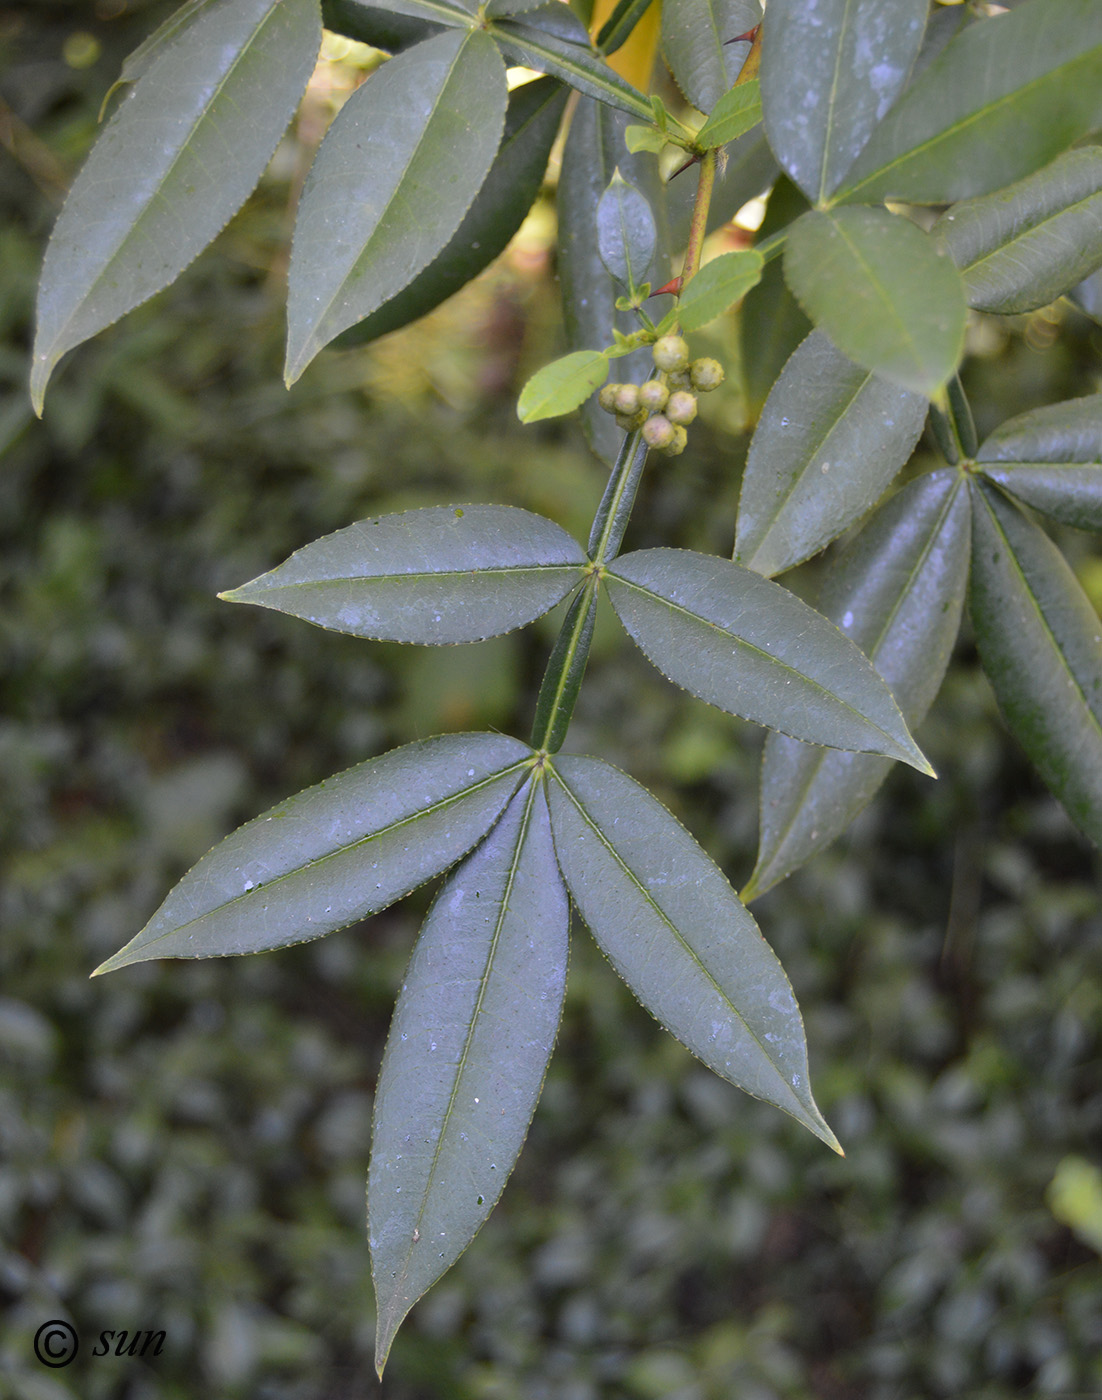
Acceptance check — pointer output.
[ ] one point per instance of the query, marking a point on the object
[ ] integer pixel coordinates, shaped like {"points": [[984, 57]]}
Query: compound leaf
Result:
{"points": [[831, 437], [1040, 641], [695, 35], [672, 927], [748, 646], [1051, 458], [443, 574], [336, 852], [465, 1059], [393, 178], [897, 591], [177, 159]]}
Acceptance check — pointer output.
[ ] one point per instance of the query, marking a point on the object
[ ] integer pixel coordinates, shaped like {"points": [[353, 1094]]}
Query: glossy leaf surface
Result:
{"points": [[562, 385], [543, 50], [499, 209], [879, 288], [336, 852], [1024, 246], [999, 101], [733, 115], [694, 41], [831, 438], [1040, 642], [1051, 458], [381, 28], [179, 157], [897, 591], [719, 285], [626, 233], [443, 574], [745, 644], [666, 918], [771, 321], [468, 1047], [456, 14], [830, 69], [391, 183]]}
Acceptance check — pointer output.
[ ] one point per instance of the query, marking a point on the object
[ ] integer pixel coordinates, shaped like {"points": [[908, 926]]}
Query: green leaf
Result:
{"points": [[443, 574], [830, 440], [562, 385], [465, 1059], [1051, 458], [1024, 246], [382, 29], [829, 72], [391, 183], [748, 646], [620, 25], [672, 927], [583, 69], [999, 101], [499, 209], [897, 591], [694, 42], [626, 232], [1088, 296], [1040, 642], [644, 138], [880, 289], [337, 852], [456, 14], [137, 63], [178, 158], [733, 116], [718, 286]]}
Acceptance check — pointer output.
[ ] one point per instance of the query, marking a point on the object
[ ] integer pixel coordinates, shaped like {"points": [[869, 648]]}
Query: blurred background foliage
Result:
{"points": [[184, 1146]]}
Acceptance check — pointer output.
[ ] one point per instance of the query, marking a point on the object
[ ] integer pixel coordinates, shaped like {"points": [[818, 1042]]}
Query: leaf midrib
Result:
{"points": [[498, 571], [1005, 248]]}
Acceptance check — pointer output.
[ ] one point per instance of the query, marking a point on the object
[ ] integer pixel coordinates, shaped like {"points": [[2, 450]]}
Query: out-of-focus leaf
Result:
{"points": [[1040, 642], [443, 574], [465, 1059], [626, 232], [830, 69], [1075, 1199], [771, 322], [672, 927], [733, 115], [176, 161], [499, 209], [1051, 458], [336, 852], [718, 286], [382, 29], [879, 288], [620, 25], [897, 591], [830, 439], [1088, 296], [391, 183], [999, 101], [562, 385], [694, 42], [1024, 246], [538, 48], [748, 646]]}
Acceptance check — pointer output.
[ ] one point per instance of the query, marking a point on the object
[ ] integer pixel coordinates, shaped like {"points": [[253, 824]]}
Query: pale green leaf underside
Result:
{"points": [[465, 1060], [748, 646], [336, 852], [179, 157], [392, 180], [695, 42], [880, 289], [733, 115], [1051, 458], [563, 385], [672, 927], [439, 575], [831, 438], [718, 286]]}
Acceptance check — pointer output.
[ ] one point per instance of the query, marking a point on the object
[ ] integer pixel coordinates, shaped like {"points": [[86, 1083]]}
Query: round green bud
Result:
{"points": [[607, 397], [671, 353], [681, 407], [679, 380], [658, 431], [627, 399], [631, 422], [677, 445], [653, 395], [706, 374]]}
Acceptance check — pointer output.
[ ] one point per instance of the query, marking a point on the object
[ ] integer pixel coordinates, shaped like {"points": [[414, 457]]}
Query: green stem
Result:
{"points": [[699, 225], [565, 668]]}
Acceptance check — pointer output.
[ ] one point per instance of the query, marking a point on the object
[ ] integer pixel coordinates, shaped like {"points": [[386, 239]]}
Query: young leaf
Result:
{"points": [[672, 927], [1051, 458], [562, 385], [443, 574], [165, 176], [897, 591], [999, 101], [750, 647], [499, 209], [644, 138], [1024, 246], [771, 322], [336, 852], [694, 41], [829, 441], [733, 116], [829, 72], [391, 183], [465, 1059], [538, 48], [718, 286], [1040, 641], [626, 232], [880, 289]]}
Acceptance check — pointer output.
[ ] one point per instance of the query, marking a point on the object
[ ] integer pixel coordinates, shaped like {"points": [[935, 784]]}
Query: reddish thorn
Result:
{"points": [[747, 38], [693, 160], [673, 287]]}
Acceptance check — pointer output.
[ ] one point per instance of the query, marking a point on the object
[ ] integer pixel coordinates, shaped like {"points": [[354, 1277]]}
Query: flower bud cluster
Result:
{"points": [[663, 408]]}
